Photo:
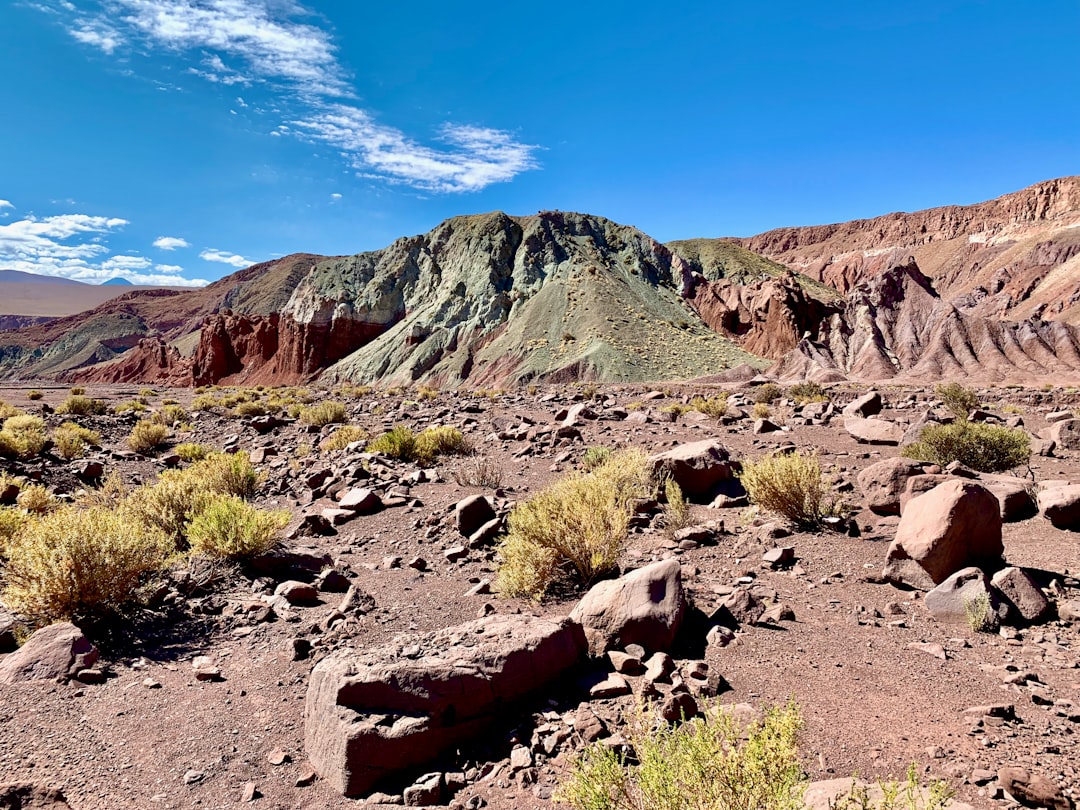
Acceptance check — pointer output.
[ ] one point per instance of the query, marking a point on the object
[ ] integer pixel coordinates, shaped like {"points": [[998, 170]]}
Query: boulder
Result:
{"points": [[1061, 506], [30, 796], [869, 404], [397, 707], [1065, 434], [872, 431], [949, 601], [883, 483], [361, 500], [1033, 789], [699, 468], [955, 525], [292, 562], [472, 513], [919, 485], [58, 651], [1014, 496], [1022, 593], [644, 607]]}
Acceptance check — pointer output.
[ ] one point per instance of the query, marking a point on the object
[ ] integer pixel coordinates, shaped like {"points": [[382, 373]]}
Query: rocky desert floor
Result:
{"points": [[880, 683]]}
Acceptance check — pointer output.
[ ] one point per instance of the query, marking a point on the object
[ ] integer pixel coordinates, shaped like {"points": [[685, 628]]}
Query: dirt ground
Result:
{"points": [[858, 658]]}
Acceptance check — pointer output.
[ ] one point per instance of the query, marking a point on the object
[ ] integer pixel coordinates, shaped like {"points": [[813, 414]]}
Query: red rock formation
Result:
{"points": [[150, 360]]}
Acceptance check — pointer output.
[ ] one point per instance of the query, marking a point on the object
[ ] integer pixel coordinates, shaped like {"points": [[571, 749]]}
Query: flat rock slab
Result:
{"points": [[397, 707], [872, 431]]}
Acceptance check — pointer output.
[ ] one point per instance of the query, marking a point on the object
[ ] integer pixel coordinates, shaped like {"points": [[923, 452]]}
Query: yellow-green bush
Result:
{"points": [[192, 451], [343, 437], [167, 505], [596, 456], [73, 562], [7, 410], [574, 529], [957, 399], [22, 436], [440, 441], [169, 415], [147, 436], [12, 519], [791, 485], [79, 405], [982, 447], [248, 409], [35, 499], [709, 763], [760, 411], [77, 390], [323, 413], [715, 406], [147, 393], [398, 442], [204, 402], [227, 473], [71, 440], [768, 393], [228, 527], [131, 406], [805, 392], [676, 507], [34, 394]]}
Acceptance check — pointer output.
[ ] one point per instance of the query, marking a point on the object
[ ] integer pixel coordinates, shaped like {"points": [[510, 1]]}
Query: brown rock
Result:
{"points": [[1061, 505], [1023, 594], [1066, 434], [883, 483], [955, 525], [58, 651], [1033, 788], [699, 468], [472, 513], [872, 431]]}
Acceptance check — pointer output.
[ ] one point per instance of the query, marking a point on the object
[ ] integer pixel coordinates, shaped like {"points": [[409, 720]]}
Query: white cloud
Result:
{"points": [[170, 269], [6, 204], [248, 41], [224, 257], [335, 196], [73, 246], [171, 243]]}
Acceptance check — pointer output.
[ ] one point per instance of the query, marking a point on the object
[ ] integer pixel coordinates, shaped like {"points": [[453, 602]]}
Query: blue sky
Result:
{"points": [[178, 140]]}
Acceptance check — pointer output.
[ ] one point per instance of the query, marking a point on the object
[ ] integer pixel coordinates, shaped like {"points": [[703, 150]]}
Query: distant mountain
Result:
{"points": [[19, 277], [117, 282]]}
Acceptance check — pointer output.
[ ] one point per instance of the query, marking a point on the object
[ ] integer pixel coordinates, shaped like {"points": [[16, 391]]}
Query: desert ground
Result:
{"points": [[880, 683]]}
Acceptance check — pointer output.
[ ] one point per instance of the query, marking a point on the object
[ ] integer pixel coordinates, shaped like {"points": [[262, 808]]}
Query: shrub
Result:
{"points": [[427, 393], [147, 393], [399, 443], [676, 408], [479, 472], [147, 436], [12, 520], [979, 614], [982, 447], [760, 411], [191, 451], [71, 440], [34, 394], [767, 393], [204, 402], [78, 405], [131, 406], [322, 414], [574, 529], [349, 391], [7, 410], [894, 795], [35, 499], [713, 406], [790, 485], [596, 456], [343, 437], [227, 474], [676, 507], [440, 441], [247, 409], [228, 527], [712, 762], [167, 505], [805, 392], [169, 415], [957, 399], [22, 436], [77, 390], [72, 563]]}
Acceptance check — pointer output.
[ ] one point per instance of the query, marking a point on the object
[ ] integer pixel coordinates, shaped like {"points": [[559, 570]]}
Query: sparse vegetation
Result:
{"points": [[191, 451], [71, 440], [22, 436], [480, 471], [77, 390], [343, 437], [228, 527], [806, 392], [249, 409], [147, 436], [768, 393], [79, 405], [35, 499], [982, 447], [322, 414], [894, 795], [399, 442], [760, 411], [131, 406], [574, 529], [957, 399], [7, 410], [77, 562], [596, 456], [169, 415], [790, 485], [715, 406], [34, 394], [979, 614], [704, 762], [676, 507]]}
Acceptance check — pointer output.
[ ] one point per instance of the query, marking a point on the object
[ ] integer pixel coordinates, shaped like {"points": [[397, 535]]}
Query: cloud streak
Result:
{"points": [[73, 246], [274, 42], [224, 257], [170, 243]]}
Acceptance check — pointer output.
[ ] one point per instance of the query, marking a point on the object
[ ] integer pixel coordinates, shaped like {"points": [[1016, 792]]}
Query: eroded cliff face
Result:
{"points": [[896, 327], [1013, 256]]}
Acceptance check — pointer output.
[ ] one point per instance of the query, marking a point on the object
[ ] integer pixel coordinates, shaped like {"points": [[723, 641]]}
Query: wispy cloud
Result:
{"points": [[276, 42], [224, 257], [5, 204], [74, 246], [171, 243]]}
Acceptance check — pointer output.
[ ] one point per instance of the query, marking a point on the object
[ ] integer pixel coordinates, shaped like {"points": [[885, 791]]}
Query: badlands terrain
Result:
{"points": [[198, 697]]}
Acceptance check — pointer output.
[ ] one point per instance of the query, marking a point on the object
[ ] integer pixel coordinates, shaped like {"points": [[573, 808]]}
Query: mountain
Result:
{"points": [[1013, 257], [117, 282], [485, 300], [28, 298]]}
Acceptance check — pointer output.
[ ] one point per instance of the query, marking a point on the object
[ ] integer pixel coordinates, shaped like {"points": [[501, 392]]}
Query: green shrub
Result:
{"points": [[227, 474], [440, 441], [982, 447], [768, 393], [479, 472], [7, 410], [147, 436], [399, 443], [713, 406], [147, 393], [957, 399], [228, 527], [893, 795], [167, 505], [249, 409], [169, 415], [805, 392], [791, 485], [191, 451], [71, 440], [131, 406], [760, 411], [79, 405], [426, 393], [596, 456], [77, 390], [676, 507], [34, 394], [712, 763], [22, 436], [73, 563], [12, 519], [343, 437], [204, 402], [324, 413], [980, 614], [574, 529]]}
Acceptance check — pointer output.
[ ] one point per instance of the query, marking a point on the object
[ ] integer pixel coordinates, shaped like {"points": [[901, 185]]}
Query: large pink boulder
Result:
{"points": [[699, 468], [883, 483], [58, 651], [955, 525]]}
